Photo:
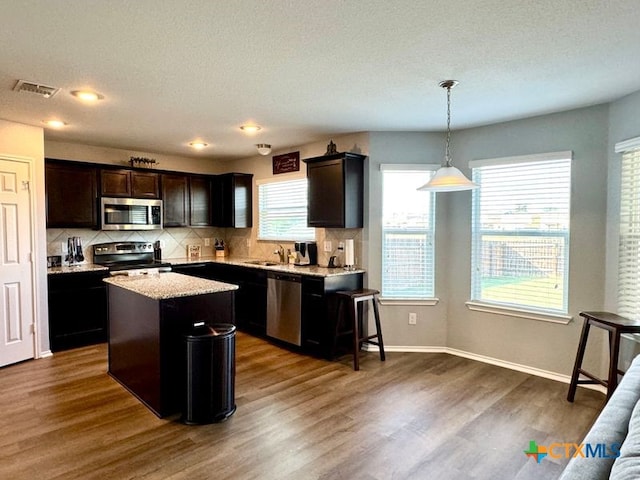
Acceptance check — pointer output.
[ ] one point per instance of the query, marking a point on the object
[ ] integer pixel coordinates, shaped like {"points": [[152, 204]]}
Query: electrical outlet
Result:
{"points": [[341, 246], [413, 317], [327, 246], [207, 242]]}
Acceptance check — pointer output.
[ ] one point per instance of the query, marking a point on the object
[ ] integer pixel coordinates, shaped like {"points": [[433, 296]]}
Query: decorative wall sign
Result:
{"points": [[142, 162], [285, 163]]}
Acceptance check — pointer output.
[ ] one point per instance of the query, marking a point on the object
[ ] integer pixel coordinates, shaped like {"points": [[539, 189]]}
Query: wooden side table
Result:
{"points": [[616, 326]]}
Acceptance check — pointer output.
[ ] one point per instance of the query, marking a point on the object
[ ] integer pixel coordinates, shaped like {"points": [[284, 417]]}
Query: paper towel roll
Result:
{"points": [[349, 255]]}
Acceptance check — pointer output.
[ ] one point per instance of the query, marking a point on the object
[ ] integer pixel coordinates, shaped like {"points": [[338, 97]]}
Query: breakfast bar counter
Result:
{"points": [[149, 315]]}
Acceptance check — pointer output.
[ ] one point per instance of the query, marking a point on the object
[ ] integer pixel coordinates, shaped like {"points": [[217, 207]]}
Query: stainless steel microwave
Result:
{"points": [[130, 214]]}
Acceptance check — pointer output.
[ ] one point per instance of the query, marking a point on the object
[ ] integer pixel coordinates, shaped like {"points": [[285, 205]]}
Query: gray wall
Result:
{"points": [[543, 345], [431, 326]]}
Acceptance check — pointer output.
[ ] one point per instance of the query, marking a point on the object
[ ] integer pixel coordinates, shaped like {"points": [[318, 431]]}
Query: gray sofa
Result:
{"points": [[616, 428]]}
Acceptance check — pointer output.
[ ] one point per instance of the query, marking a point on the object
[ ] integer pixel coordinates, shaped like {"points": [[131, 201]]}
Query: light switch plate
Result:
{"points": [[328, 246]]}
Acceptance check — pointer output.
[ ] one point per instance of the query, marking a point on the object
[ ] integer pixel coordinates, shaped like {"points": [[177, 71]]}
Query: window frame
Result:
{"points": [[282, 179], [513, 309], [430, 299], [626, 280]]}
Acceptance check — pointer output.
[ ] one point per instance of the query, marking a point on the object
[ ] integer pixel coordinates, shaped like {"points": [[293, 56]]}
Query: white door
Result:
{"points": [[16, 273]]}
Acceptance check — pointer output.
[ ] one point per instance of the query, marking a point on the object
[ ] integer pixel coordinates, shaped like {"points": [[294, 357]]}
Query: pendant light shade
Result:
{"points": [[448, 178]]}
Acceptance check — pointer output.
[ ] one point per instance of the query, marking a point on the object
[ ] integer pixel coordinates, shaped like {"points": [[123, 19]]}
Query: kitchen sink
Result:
{"points": [[264, 263]]}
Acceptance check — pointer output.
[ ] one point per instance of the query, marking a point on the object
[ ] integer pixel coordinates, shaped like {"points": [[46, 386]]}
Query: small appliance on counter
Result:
{"points": [[306, 253]]}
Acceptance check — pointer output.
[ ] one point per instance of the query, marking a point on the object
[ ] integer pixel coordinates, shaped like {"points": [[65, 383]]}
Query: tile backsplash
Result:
{"points": [[175, 239], [241, 242]]}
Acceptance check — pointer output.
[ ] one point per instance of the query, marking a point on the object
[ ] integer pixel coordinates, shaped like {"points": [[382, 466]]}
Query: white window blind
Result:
{"points": [[407, 235], [283, 211], [629, 242], [520, 232]]}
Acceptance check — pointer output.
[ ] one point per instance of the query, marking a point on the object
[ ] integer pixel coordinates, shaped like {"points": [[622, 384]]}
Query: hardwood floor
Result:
{"points": [[415, 416]]}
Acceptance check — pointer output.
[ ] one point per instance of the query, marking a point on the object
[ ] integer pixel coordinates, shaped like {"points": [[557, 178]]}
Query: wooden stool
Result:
{"points": [[616, 326], [354, 299]]}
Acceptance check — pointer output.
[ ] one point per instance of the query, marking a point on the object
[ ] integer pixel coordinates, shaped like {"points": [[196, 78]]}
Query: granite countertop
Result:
{"points": [[82, 267], [163, 286], [315, 270]]}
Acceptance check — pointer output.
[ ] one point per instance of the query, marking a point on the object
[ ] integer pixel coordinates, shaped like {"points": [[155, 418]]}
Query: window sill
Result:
{"points": [[409, 301], [517, 312]]}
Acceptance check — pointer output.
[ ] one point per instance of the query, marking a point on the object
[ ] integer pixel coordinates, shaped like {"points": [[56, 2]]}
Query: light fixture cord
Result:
{"points": [[447, 151]]}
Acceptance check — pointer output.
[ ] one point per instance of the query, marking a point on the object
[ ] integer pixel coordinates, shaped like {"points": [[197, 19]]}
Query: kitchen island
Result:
{"points": [[148, 318]]}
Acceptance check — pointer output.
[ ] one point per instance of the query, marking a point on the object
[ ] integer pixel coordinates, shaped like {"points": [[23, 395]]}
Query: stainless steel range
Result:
{"points": [[127, 258]]}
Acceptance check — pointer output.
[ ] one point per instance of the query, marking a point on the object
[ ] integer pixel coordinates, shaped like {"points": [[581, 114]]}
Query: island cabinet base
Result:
{"points": [[146, 342]]}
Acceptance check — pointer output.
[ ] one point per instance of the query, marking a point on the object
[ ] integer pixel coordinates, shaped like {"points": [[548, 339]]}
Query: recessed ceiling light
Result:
{"points": [[250, 128], [198, 145], [87, 95], [54, 123]]}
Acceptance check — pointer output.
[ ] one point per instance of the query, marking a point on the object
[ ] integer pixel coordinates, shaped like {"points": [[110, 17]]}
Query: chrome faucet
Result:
{"points": [[280, 253]]}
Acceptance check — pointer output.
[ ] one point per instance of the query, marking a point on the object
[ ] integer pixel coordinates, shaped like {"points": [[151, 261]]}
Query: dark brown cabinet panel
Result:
{"points": [[200, 205], [129, 183], [175, 200], [145, 185], [232, 200], [320, 310], [336, 189], [77, 309], [71, 194], [115, 183]]}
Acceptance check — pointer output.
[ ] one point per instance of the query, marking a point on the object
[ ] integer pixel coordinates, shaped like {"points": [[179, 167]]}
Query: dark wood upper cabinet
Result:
{"points": [[129, 183], [336, 189], [233, 200], [200, 205], [71, 194], [145, 185], [175, 200]]}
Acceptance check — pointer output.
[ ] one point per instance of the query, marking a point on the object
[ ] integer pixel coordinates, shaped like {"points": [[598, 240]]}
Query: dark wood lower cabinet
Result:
{"points": [[77, 309], [320, 310]]}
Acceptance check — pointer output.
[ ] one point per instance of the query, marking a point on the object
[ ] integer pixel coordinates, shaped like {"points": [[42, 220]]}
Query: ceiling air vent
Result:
{"points": [[30, 87]]}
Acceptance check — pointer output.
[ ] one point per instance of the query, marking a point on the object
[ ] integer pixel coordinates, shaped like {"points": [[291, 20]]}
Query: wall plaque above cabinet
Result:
{"points": [[285, 163], [336, 189]]}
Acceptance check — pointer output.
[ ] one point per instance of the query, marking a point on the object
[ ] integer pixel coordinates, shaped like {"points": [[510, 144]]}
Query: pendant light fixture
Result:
{"points": [[448, 178]]}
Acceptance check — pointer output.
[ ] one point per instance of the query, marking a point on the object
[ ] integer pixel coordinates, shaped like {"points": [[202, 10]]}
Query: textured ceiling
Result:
{"points": [[174, 71]]}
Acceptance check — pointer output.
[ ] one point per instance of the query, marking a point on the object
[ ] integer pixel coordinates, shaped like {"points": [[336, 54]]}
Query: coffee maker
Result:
{"points": [[306, 253]]}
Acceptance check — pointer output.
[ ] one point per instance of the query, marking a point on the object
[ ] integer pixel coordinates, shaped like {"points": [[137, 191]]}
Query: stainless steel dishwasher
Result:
{"points": [[284, 293]]}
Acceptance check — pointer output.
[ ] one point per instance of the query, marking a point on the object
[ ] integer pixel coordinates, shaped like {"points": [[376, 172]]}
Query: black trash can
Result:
{"points": [[211, 372]]}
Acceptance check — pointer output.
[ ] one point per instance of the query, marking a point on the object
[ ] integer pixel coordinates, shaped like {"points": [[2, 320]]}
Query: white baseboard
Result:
{"points": [[538, 372], [46, 353]]}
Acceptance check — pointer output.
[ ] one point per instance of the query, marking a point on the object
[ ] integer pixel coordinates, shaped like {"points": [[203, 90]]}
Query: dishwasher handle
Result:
{"points": [[285, 277]]}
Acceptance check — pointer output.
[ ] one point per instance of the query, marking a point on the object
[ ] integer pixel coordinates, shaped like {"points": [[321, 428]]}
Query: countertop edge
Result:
{"points": [[309, 270]]}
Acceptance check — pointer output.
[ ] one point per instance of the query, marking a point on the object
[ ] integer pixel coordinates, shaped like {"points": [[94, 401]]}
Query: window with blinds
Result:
{"points": [[407, 235], [520, 232], [282, 212], [629, 242]]}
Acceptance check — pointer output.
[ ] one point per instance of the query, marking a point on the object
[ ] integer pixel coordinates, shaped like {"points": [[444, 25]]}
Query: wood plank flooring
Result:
{"points": [[415, 416]]}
